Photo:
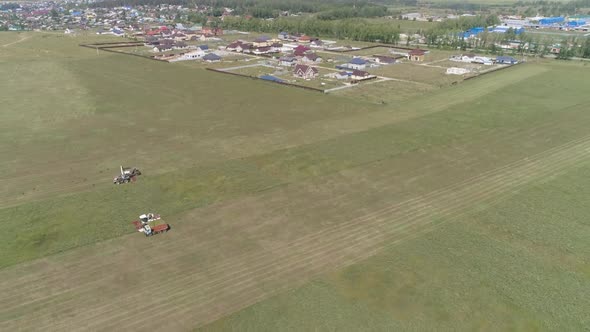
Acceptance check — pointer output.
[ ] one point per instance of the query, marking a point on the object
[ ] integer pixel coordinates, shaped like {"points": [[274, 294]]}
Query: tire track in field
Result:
{"points": [[337, 235], [335, 245], [382, 176], [18, 288], [22, 39]]}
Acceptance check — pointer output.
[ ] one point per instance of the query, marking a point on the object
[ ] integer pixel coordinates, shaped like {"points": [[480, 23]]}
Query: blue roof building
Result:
{"points": [[472, 32], [211, 57], [358, 61], [576, 23], [271, 78], [551, 20], [504, 29], [506, 60]]}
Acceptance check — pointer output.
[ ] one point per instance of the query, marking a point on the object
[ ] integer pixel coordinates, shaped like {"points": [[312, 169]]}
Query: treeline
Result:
{"points": [[353, 29], [243, 7], [574, 47], [324, 9], [464, 6], [353, 12], [465, 23], [537, 45], [556, 8]]}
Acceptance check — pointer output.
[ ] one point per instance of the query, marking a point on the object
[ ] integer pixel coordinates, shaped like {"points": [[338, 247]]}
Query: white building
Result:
{"points": [[457, 71], [192, 55]]}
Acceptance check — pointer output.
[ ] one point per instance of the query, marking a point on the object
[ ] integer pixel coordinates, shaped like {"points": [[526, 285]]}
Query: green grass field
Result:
{"points": [[454, 207], [521, 265]]}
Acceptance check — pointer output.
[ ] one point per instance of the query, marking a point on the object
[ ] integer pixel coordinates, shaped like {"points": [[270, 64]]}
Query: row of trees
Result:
{"points": [[555, 8], [353, 29], [352, 12], [444, 35], [263, 8], [525, 44], [324, 9]]}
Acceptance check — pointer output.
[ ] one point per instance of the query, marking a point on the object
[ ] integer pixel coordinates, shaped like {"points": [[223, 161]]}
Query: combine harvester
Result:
{"points": [[142, 225], [127, 175]]}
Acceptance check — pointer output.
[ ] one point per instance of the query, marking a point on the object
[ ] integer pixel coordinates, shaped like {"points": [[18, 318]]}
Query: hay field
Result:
{"points": [[463, 204]]}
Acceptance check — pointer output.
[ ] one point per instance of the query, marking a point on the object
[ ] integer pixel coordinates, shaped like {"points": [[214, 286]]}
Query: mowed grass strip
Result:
{"points": [[521, 264]]}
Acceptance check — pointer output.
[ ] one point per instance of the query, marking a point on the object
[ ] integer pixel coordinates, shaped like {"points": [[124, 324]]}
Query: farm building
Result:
{"points": [[482, 60], [233, 46], [162, 48], [576, 23], [384, 60], [472, 32], [262, 41], [301, 50], [244, 48], [287, 61], [180, 45], [304, 39], [506, 60], [305, 71], [359, 75], [416, 55], [457, 71], [469, 57], [551, 20], [356, 63], [342, 75], [262, 50], [192, 55], [317, 43], [212, 57], [504, 29], [312, 58], [276, 47]]}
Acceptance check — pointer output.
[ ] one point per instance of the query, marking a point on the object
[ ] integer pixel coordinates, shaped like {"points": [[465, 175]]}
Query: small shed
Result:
{"points": [[212, 57], [506, 60]]}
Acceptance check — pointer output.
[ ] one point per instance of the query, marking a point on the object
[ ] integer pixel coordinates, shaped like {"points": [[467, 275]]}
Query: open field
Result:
{"points": [[461, 207], [522, 264], [416, 73]]}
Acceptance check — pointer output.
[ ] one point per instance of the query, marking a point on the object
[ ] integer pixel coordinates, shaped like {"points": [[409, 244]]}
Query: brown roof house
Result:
{"points": [[416, 55], [305, 72], [361, 75], [311, 57]]}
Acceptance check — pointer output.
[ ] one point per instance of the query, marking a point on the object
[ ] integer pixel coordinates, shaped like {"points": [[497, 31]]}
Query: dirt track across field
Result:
{"points": [[233, 255], [22, 39]]}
